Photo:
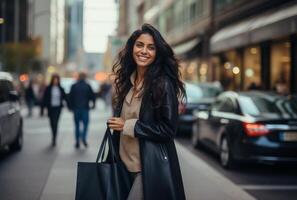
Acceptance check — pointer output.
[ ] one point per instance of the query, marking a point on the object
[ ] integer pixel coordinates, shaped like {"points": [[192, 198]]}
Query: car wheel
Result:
{"points": [[226, 158], [18, 142], [195, 136]]}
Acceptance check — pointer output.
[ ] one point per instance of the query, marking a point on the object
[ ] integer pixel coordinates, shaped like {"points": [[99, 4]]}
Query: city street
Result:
{"points": [[235, 62], [41, 172]]}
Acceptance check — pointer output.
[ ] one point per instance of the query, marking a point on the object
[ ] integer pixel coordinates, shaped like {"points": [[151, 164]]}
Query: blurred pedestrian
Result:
{"points": [[30, 98], [105, 93], [147, 89], [41, 91], [53, 99], [80, 96]]}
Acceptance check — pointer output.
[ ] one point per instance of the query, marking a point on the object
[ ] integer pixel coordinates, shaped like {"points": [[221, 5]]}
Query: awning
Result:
{"points": [[270, 25], [186, 47]]}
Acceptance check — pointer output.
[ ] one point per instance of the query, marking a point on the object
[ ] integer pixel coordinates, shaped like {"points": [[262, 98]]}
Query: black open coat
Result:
{"points": [[155, 130], [46, 100]]}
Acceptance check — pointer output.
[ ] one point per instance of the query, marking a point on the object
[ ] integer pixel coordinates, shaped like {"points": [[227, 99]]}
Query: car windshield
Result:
{"points": [[194, 93], [210, 91], [269, 107]]}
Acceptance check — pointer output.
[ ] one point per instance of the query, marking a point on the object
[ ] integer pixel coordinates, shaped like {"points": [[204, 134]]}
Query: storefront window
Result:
{"points": [[216, 65], [252, 68], [189, 70], [280, 66], [203, 71], [231, 70]]}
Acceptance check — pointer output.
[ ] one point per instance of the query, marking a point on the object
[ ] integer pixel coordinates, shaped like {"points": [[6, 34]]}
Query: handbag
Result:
{"points": [[105, 179]]}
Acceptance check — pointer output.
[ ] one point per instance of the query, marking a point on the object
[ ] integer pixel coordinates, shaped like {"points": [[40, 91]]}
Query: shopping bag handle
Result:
{"points": [[107, 139]]}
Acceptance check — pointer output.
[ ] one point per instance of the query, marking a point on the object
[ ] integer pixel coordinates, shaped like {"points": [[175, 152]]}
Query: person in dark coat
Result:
{"points": [[147, 89], [53, 99], [30, 98], [80, 97]]}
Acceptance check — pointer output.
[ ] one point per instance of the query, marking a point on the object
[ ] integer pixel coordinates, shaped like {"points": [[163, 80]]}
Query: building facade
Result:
{"points": [[258, 39], [238, 42], [13, 34], [74, 27], [14, 16]]}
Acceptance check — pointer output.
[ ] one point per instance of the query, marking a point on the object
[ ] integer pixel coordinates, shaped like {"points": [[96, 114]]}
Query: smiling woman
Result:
{"points": [[147, 89]]}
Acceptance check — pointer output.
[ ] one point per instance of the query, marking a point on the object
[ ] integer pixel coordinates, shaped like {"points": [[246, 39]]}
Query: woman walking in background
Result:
{"points": [[53, 98], [147, 89]]}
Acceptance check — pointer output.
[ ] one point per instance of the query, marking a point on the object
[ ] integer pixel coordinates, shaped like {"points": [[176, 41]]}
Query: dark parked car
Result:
{"points": [[249, 126], [11, 123], [199, 96]]}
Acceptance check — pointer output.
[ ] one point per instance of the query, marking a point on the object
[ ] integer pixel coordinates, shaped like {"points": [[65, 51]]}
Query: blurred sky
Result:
{"points": [[100, 20]]}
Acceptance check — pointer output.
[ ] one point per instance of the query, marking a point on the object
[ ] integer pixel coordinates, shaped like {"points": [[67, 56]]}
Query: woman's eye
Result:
{"points": [[139, 45], [151, 48]]}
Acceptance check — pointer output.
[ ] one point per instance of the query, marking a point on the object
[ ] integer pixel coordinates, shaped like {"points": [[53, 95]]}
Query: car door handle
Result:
{"points": [[224, 121], [11, 111]]}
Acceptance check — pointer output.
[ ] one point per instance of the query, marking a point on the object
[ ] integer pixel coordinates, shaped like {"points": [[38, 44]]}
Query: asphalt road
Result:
{"points": [[263, 181]]}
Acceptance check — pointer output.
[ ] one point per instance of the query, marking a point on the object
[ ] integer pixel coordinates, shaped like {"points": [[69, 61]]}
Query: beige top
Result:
{"points": [[129, 145]]}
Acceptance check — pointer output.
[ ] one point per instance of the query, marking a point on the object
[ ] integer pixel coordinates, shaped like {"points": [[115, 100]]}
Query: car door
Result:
{"points": [[225, 114], [13, 115], [209, 126], [4, 112]]}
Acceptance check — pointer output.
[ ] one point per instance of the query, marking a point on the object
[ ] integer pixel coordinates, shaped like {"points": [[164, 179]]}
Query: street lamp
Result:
{"points": [[2, 20]]}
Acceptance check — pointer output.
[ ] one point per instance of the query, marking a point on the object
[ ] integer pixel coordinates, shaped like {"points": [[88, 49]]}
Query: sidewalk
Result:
{"points": [[200, 180]]}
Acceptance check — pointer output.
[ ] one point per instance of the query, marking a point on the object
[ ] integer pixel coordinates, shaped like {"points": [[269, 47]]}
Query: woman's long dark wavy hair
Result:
{"points": [[165, 64], [55, 76]]}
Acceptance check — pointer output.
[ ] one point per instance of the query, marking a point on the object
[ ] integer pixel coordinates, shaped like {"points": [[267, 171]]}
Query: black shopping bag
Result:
{"points": [[104, 179]]}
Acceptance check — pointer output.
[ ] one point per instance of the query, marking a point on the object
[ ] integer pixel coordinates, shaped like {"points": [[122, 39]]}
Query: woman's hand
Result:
{"points": [[116, 123]]}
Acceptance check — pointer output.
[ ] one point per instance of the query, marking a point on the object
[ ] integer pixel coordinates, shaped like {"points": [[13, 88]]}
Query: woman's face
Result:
{"points": [[55, 81], [144, 50]]}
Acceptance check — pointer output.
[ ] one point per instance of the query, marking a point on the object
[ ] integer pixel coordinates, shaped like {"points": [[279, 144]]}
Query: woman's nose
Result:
{"points": [[144, 50]]}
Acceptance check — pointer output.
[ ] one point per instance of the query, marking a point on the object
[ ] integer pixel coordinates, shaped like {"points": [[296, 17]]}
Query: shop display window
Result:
{"points": [[252, 68], [280, 67]]}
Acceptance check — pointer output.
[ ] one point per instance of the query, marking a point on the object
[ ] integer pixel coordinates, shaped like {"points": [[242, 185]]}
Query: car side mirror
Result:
{"points": [[14, 96]]}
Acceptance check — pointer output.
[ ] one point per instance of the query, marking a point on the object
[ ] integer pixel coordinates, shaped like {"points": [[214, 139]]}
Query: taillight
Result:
{"points": [[255, 129]]}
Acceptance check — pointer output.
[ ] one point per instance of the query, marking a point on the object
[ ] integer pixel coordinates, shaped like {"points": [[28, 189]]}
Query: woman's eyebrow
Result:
{"points": [[151, 44], [139, 42]]}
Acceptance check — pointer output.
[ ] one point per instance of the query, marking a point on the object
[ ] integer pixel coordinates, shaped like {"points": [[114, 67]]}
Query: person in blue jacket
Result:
{"points": [[80, 97]]}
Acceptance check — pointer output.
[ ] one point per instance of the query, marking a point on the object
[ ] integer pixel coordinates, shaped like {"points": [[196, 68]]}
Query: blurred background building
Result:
{"points": [[15, 43], [237, 42], [75, 52], [47, 25]]}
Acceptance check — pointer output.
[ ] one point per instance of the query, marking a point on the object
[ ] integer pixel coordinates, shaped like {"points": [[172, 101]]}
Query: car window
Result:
{"points": [[5, 87], [268, 107], [210, 91], [216, 105], [227, 106], [224, 105], [193, 92]]}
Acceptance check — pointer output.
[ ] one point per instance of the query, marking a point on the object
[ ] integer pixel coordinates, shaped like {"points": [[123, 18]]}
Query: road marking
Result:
{"points": [[268, 187]]}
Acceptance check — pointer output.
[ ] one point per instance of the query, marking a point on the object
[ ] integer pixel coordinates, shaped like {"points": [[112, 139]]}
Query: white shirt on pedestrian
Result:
{"points": [[56, 96]]}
